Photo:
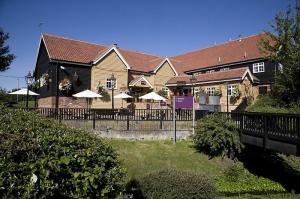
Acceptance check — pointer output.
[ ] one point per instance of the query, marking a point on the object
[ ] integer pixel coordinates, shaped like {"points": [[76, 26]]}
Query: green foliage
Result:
{"points": [[163, 93], [5, 57], [217, 136], [237, 180], [170, 183], [266, 104], [218, 92], [284, 47], [40, 158]]}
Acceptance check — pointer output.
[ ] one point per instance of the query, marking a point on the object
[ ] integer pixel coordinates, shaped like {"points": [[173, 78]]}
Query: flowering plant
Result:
{"points": [[65, 85]]}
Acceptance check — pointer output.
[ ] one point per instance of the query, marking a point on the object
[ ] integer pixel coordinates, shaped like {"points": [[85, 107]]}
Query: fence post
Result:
{"points": [[298, 136], [241, 116], [127, 118], [161, 119], [265, 132], [59, 115], [94, 119]]}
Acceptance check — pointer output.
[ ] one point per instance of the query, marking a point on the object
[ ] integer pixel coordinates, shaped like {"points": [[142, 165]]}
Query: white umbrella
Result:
{"points": [[122, 96], [87, 94], [23, 91], [153, 96]]}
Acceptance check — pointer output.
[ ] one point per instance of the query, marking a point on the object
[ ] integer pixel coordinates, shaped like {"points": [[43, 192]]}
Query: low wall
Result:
{"points": [[137, 129]]}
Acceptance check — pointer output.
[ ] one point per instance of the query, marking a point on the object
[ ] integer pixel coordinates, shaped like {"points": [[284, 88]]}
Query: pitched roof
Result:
{"points": [[242, 49], [70, 50], [233, 74], [138, 79], [64, 49]]}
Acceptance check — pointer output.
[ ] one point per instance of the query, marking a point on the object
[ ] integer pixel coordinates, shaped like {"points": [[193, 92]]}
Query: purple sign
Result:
{"points": [[183, 102], [162, 103]]}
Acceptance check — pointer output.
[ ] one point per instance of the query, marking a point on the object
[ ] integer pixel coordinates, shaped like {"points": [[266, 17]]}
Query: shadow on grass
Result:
{"points": [[270, 165]]}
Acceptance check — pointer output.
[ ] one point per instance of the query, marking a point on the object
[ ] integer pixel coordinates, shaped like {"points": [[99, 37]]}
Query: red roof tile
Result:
{"points": [[234, 51], [209, 77], [64, 49]]}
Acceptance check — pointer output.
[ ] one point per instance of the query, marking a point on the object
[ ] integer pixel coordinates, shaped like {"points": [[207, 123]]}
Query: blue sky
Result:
{"points": [[158, 27]]}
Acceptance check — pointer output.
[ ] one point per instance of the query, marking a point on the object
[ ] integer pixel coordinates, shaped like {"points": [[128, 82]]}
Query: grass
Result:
{"points": [[141, 157]]}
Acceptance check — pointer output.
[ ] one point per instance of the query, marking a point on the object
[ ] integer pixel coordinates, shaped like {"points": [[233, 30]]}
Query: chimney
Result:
{"points": [[115, 45], [245, 54], [219, 59]]}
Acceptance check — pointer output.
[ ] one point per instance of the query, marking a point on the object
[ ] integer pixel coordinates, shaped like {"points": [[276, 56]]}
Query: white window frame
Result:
{"points": [[210, 71], [259, 67], [210, 91], [224, 69], [110, 81], [231, 88], [166, 89]]}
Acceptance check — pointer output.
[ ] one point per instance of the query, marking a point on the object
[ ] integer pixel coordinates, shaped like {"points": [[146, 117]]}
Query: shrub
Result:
{"points": [[217, 136], [170, 183], [266, 104], [40, 158], [237, 180]]}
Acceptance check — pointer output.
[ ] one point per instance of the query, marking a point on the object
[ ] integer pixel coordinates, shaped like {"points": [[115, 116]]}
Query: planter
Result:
{"points": [[214, 100], [202, 99]]}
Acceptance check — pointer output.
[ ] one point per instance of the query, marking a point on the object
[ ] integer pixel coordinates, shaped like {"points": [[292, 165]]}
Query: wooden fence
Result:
{"points": [[271, 131]]}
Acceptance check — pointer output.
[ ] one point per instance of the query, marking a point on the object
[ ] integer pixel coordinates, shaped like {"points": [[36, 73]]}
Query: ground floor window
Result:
{"points": [[111, 84], [231, 89], [210, 91]]}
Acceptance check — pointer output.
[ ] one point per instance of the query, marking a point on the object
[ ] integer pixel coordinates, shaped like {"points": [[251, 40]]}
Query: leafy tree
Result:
{"points": [[5, 57], [283, 47]]}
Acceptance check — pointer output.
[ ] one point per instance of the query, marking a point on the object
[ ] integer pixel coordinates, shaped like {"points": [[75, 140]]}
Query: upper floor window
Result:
{"points": [[231, 89], [143, 83], [259, 67], [224, 69], [111, 84], [210, 91], [210, 71]]}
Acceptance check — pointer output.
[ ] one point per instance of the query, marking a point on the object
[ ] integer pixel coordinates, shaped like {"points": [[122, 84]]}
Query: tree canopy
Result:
{"points": [[5, 57], [284, 49]]}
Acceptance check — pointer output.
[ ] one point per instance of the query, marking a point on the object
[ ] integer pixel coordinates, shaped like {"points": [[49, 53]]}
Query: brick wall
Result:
{"points": [[64, 102]]}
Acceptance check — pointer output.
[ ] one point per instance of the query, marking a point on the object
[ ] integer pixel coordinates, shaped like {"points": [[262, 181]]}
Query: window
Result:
{"points": [[231, 89], [259, 67], [111, 84], [210, 71], [197, 73], [143, 83], [210, 91], [224, 69]]}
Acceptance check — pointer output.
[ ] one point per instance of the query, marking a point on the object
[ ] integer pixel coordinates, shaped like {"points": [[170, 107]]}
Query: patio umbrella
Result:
{"points": [[23, 91], [153, 96], [122, 96], [88, 94]]}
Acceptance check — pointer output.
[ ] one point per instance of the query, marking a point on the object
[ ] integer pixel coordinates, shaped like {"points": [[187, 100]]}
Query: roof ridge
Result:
{"points": [[63, 37], [145, 53], [214, 45]]}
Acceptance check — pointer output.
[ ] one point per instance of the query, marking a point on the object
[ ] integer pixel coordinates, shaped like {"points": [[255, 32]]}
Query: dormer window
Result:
{"points": [[259, 67]]}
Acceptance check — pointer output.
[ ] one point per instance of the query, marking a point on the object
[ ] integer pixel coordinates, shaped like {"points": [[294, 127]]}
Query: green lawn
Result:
{"points": [[141, 157]]}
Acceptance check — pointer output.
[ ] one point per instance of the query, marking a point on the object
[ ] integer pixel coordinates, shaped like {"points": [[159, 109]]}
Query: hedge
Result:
{"points": [[40, 158], [170, 183]]}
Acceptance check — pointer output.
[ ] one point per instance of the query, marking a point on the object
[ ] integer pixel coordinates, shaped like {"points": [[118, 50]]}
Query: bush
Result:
{"points": [[237, 180], [40, 158], [266, 104], [170, 183], [217, 136]]}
